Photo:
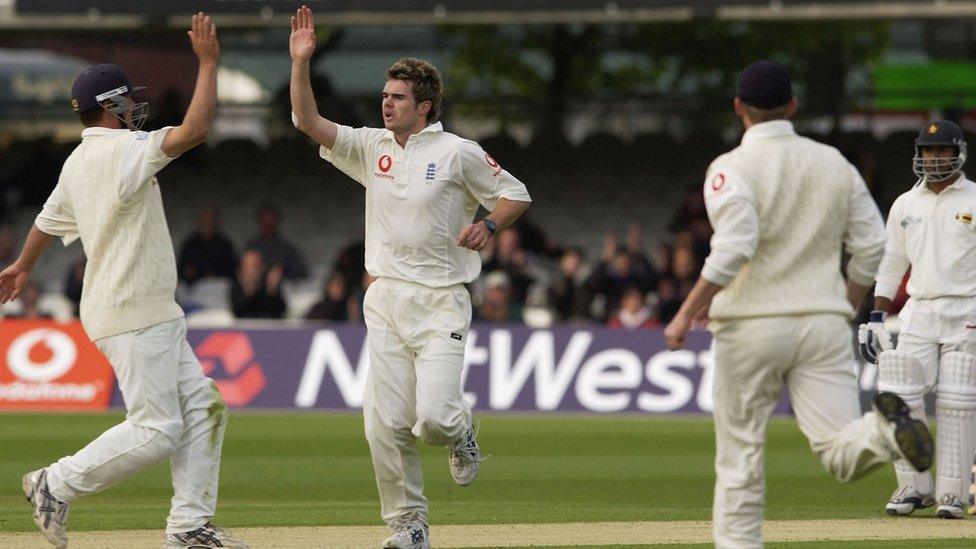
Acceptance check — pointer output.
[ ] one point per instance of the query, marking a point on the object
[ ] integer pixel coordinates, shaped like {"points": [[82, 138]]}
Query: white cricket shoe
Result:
{"points": [[50, 514], [950, 507], [906, 499], [208, 535], [408, 533], [465, 458]]}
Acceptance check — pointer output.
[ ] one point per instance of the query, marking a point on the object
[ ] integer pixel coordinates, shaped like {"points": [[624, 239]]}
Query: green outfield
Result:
{"points": [[314, 470]]}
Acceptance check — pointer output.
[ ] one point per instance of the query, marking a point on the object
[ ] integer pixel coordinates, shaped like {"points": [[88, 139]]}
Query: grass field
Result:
{"points": [[314, 470]]}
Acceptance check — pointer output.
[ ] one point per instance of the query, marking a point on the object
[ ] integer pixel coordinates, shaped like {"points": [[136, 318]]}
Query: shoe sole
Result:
{"points": [[911, 435]]}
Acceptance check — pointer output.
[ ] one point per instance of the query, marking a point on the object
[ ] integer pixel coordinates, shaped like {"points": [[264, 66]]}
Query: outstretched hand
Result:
{"points": [[301, 44], [12, 281], [203, 38]]}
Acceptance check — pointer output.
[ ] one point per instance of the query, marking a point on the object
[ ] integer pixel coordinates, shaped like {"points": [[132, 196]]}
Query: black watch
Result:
{"points": [[490, 224]]}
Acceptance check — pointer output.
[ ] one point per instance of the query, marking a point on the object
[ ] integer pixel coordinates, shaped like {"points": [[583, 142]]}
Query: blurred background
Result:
{"points": [[609, 112]]}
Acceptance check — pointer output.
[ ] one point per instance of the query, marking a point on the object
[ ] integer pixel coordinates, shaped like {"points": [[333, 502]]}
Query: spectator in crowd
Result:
{"points": [[619, 267], [276, 251], [351, 262], [8, 251], [256, 292], [336, 303], [567, 294], [497, 304], [668, 299], [504, 253], [30, 299], [74, 283], [207, 252], [633, 312]]}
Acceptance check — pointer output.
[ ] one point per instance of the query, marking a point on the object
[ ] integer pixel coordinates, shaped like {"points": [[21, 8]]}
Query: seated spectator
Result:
{"points": [[207, 252], [336, 303], [256, 293], [276, 251], [567, 294], [618, 268], [8, 245], [505, 253], [74, 284], [633, 312], [30, 297], [497, 304]]}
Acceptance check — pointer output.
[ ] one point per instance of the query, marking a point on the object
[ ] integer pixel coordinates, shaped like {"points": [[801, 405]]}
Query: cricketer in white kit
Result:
{"points": [[423, 188], [108, 196], [783, 208], [931, 229]]}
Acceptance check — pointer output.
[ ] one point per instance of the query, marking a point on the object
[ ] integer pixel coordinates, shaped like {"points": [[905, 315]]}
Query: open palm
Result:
{"points": [[302, 41]]}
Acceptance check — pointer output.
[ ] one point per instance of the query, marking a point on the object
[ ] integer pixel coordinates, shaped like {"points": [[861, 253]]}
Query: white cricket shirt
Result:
{"points": [[936, 235], [108, 196], [783, 208], [419, 197]]}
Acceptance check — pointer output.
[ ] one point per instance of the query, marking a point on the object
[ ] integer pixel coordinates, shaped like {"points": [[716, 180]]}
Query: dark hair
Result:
{"points": [[91, 117], [758, 115], [426, 80]]}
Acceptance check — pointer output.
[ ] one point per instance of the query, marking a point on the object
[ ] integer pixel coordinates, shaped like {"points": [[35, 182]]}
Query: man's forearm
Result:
{"points": [[302, 98], [881, 303], [856, 293], [34, 245], [507, 212], [203, 106], [700, 297]]}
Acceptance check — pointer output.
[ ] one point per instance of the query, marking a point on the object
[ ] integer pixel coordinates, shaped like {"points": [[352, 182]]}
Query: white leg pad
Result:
{"points": [[901, 373], [955, 409]]}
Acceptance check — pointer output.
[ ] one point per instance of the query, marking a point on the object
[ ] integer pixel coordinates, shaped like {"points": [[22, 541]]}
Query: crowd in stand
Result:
{"points": [[630, 284]]}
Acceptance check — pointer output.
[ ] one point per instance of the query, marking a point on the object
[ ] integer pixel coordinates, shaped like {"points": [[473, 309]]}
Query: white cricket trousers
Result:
{"points": [[174, 411], [416, 337], [931, 328], [812, 355]]}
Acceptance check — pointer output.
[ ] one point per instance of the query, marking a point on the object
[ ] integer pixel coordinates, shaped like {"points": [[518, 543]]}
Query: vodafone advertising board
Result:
{"points": [[47, 365]]}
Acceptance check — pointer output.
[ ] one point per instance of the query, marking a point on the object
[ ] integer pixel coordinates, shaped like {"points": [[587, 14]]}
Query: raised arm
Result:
{"points": [[199, 116], [305, 115]]}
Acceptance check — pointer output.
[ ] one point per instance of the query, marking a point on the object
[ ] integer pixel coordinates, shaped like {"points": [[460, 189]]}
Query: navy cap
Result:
{"points": [[940, 132], [97, 81], [765, 85]]}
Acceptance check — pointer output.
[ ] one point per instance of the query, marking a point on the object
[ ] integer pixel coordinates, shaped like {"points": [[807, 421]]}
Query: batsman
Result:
{"points": [[931, 229]]}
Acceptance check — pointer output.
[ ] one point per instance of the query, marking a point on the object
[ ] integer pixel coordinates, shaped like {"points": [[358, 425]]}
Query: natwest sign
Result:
{"points": [[47, 365], [514, 368]]}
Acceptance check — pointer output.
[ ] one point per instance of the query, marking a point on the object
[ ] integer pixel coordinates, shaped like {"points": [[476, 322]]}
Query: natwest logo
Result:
{"points": [[50, 365], [234, 352]]}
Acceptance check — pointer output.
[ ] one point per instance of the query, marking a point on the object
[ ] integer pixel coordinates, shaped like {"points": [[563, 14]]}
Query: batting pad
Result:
{"points": [[955, 409]]}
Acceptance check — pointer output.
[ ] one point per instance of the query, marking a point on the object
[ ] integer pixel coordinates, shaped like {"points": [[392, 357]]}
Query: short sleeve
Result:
{"points": [[57, 217], [485, 179], [143, 158], [348, 153]]}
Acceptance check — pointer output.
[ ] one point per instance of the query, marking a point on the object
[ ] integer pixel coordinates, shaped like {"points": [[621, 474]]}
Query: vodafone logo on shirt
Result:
{"points": [[493, 164], [47, 365], [384, 164]]}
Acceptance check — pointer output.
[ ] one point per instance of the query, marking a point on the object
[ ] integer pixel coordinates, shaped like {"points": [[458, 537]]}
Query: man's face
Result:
{"points": [[936, 160], [400, 110]]}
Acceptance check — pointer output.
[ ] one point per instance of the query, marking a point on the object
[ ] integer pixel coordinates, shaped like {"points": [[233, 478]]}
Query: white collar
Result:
{"points": [[763, 130]]}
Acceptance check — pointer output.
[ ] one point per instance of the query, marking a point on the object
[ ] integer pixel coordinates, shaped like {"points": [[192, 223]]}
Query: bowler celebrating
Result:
{"points": [[423, 187], [108, 197]]}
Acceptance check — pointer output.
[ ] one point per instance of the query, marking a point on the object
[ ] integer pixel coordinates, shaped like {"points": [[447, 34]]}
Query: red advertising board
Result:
{"points": [[46, 365]]}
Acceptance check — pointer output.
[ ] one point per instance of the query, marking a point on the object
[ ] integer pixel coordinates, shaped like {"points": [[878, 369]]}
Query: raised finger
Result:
{"points": [[294, 24], [311, 18], [303, 18]]}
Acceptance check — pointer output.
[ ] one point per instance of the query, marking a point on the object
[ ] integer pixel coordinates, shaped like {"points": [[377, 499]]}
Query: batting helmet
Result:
{"points": [[940, 133]]}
